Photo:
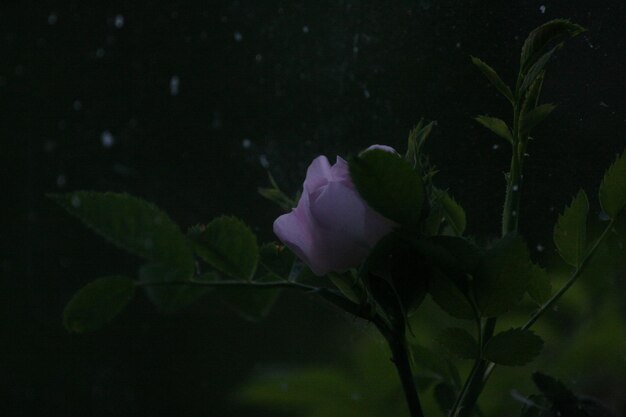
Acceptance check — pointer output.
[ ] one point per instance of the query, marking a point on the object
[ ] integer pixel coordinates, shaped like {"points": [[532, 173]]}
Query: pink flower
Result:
{"points": [[332, 229]]}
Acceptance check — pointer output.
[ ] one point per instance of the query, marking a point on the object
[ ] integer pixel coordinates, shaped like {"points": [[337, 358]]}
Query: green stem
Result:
{"points": [[475, 367], [330, 295], [475, 385], [510, 221], [512, 199], [577, 272]]}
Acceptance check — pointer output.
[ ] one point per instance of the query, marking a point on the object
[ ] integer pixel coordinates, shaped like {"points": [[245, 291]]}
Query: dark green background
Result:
{"points": [[306, 78]]}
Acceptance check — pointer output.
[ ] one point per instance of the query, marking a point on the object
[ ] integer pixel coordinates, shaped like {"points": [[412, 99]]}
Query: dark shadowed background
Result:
{"points": [[186, 104]]}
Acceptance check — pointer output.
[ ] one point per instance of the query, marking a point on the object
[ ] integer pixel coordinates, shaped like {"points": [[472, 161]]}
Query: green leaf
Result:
{"points": [[531, 99], [275, 195], [451, 211], [396, 261], [456, 256], [536, 70], [276, 260], [459, 343], [503, 276], [613, 188], [570, 231], [497, 126], [534, 117], [97, 303], [447, 294], [169, 298], [544, 38], [389, 185], [255, 304], [228, 245], [349, 286], [417, 138], [493, 78], [251, 304], [513, 347], [539, 286], [132, 224]]}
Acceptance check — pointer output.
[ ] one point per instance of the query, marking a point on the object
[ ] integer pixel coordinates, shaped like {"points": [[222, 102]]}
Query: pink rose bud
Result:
{"points": [[332, 229]]}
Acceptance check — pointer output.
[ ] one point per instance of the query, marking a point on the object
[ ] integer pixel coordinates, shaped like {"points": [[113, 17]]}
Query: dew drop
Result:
{"points": [[305, 29], [75, 201], [539, 247], [246, 143], [52, 19], [264, 162], [78, 105], [542, 9], [495, 146], [238, 36]]}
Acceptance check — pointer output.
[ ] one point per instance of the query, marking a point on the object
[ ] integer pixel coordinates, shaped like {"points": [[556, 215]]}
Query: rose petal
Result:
{"points": [[339, 216], [318, 174], [340, 172], [294, 230]]}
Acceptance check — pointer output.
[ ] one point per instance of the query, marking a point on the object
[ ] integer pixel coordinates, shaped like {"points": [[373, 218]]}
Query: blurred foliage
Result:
{"points": [[585, 338]]}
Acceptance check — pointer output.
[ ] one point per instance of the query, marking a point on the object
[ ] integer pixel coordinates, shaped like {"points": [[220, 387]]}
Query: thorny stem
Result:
{"points": [[400, 358], [475, 367], [510, 219]]}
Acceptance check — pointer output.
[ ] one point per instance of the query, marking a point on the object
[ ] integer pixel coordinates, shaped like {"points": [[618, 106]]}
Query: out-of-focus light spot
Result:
{"points": [[119, 21], [107, 139], [61, 180], [174, 85]]}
